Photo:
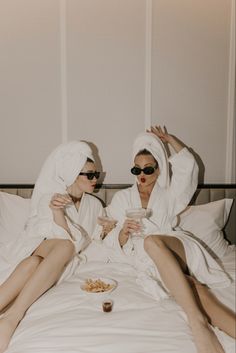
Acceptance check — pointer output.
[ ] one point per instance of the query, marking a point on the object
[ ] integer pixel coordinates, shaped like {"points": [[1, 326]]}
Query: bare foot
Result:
{"points": [[8, 324], [205, 339]]}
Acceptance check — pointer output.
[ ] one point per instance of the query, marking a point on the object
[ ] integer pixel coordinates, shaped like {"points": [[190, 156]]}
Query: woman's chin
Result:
{"points": [[91, 189]]}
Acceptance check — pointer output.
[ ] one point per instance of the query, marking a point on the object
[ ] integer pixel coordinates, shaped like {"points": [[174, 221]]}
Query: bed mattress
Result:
{"points": [[68, 319]]}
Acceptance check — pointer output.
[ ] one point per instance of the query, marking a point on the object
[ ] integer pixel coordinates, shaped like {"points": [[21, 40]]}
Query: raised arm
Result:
{"points": [[184, 170]]}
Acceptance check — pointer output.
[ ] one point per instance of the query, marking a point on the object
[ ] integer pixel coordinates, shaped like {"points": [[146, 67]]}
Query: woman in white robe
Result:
{"points": [[162, 253], [62, 222]]}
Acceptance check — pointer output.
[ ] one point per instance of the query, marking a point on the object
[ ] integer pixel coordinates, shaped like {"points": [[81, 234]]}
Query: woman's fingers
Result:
{"points": [[108, 226], [157, 130], [160, 131], [131, 225], [154, 129], [60, 201]]}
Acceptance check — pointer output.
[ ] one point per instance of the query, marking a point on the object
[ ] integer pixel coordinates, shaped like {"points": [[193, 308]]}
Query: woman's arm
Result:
{"points": [[129, 226], [57, 204], [184, 171]]}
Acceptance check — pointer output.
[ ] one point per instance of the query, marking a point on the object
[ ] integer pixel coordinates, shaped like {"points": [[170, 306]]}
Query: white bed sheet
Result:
{"points": [[67, 319]]}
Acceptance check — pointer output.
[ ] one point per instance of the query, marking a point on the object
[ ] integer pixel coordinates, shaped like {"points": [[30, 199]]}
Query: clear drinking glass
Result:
{"points": [[136, 214], [107, 223], [105, 220]]}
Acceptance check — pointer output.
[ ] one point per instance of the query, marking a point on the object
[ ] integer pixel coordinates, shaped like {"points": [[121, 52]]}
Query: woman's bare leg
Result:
{"points": [[18, 278], [56, 254], [175, 280], [219, 314]]}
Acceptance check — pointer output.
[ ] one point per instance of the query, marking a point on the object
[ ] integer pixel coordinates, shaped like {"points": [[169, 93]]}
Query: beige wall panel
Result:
{"points": [[190, 66], [106, 78], [29, 86], [77, 69]]}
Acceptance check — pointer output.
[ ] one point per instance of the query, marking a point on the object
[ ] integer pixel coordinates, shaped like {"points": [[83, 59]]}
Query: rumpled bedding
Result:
{"points": [[68, 319]]}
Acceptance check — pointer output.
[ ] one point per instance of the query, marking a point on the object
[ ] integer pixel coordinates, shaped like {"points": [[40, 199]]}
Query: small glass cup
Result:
{"points": [[107, 305], [136, 214]]}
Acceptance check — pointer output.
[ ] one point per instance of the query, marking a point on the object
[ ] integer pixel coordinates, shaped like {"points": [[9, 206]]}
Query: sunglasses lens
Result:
{"points": [[97, 175], [90, 176], [135, 171], [148, 170]]}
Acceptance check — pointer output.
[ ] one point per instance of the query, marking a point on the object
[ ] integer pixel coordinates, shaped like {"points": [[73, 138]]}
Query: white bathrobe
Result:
{"points": [[82, 223], [58, 172], [165, 203]]}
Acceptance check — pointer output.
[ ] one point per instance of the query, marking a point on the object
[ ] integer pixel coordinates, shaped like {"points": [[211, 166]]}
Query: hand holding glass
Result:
{"points": [[136, 214], [107, 223]]}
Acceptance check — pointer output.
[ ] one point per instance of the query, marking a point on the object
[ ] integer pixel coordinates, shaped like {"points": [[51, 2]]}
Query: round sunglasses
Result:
{"points": [[147, 170], [91, 175]]}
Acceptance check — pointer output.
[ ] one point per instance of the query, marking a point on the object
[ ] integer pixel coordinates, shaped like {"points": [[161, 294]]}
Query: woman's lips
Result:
{"points": [[142, 180]]}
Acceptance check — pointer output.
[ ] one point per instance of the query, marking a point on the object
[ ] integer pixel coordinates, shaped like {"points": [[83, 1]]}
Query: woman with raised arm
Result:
{"points": [[59, 227], [163, 253]]}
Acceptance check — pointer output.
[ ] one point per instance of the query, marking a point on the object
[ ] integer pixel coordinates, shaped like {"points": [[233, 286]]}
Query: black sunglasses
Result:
{"points": [[91, 175], [147, 170]]}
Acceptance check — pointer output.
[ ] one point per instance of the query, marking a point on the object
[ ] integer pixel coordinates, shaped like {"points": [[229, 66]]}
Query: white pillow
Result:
{"points": [[206, 222], [14, 212]]}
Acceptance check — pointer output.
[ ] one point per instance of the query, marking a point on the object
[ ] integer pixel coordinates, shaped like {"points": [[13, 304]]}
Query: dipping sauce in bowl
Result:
{"points": [[107, 305]]}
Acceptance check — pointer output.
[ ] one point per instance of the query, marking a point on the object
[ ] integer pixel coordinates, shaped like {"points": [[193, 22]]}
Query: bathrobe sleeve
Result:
{"points": [[43, 225], [91, 212], [184, 180], [120, 202], [85, 219]]}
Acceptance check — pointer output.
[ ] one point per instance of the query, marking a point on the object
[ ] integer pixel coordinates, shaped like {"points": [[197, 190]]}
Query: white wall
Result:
{"points": [[106, 61], [102, 70], [190, 76], [29, 86]]}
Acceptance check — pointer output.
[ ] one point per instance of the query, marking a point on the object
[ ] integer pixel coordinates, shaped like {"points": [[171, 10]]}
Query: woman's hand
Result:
{"points": [[107, 223], [161, 133], [167, 138], [130, 226], [60, 201]]}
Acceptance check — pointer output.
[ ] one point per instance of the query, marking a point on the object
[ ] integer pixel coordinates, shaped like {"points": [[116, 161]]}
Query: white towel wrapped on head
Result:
{"points": [[155, 146], [60, 170]]}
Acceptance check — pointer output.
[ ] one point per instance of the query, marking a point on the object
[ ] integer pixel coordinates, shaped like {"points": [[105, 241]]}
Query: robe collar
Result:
{"points": [[135, 197]]}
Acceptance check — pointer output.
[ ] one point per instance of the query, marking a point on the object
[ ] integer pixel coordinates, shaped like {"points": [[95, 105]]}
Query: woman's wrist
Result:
{"points": [[175, 143], [58, 215], [60, 219], [123, 238]]}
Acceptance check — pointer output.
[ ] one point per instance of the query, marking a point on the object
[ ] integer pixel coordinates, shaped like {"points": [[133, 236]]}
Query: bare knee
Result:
{"points": [[31, 263], [66, 248], [153, 242]]}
